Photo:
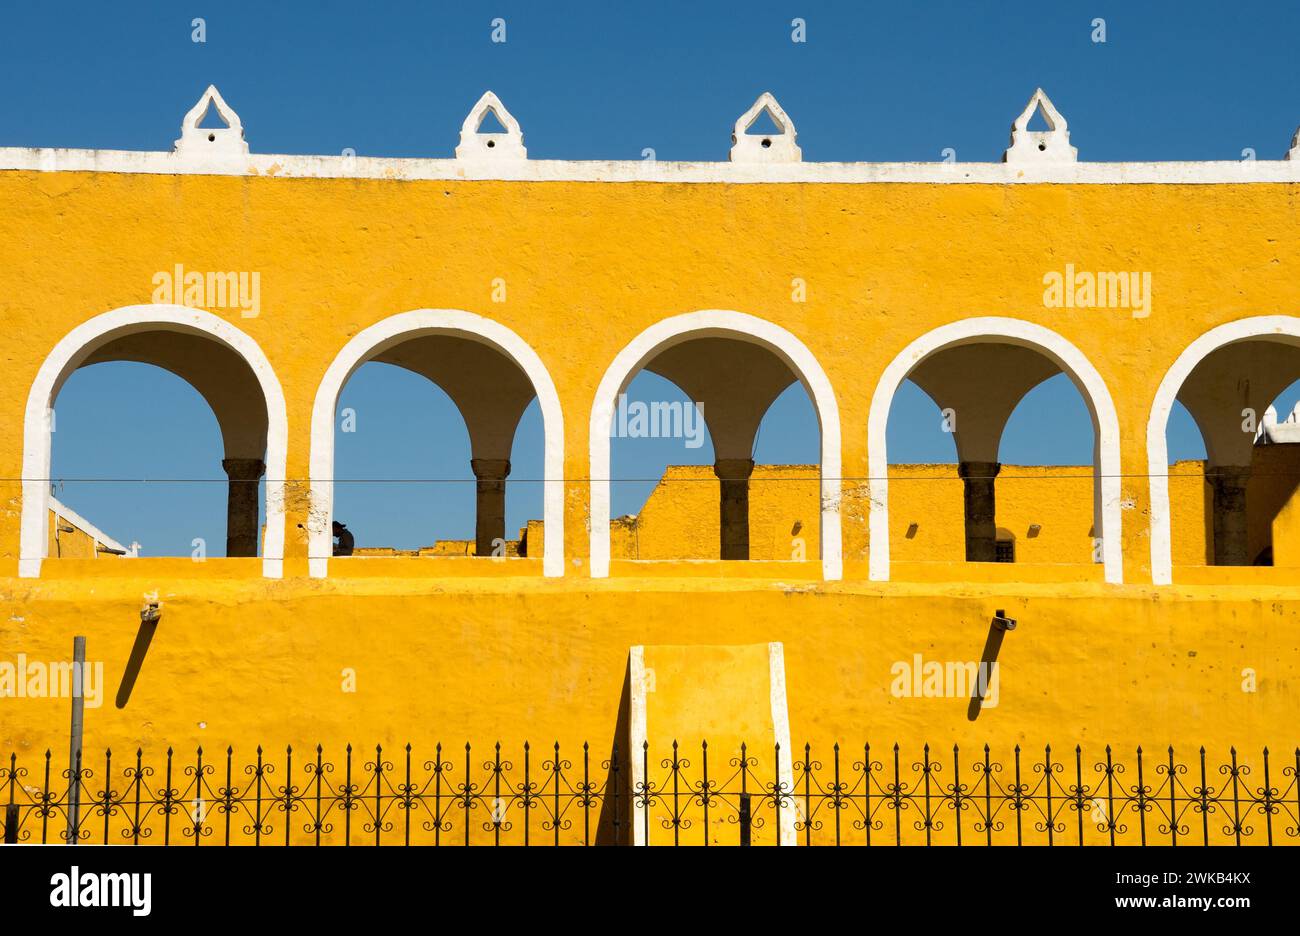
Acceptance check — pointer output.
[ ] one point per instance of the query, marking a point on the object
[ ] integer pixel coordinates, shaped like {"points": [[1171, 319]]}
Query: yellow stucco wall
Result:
{"points": [[457, 649], [883, 264], [680, 517], [68, 541]]}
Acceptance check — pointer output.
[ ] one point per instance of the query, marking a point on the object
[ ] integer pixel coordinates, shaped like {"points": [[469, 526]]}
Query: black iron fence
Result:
{"points": [[840, 796]]}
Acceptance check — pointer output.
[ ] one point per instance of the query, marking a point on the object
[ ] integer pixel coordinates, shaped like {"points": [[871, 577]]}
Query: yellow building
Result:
{"points": [[813, 612]]}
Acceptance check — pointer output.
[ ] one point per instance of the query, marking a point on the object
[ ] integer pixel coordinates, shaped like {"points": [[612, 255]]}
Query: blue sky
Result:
{"points": [[590, 80]]}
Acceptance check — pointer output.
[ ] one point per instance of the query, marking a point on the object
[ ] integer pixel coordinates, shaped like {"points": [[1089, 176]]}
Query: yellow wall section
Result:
{"points": [[720, 694], [680, 517], [454, 649], [883, 264]]}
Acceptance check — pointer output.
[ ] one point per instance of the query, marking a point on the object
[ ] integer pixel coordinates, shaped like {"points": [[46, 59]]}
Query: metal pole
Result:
{"points": [[74, 752]]}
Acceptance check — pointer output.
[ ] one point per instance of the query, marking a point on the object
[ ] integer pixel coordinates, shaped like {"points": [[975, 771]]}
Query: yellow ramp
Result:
{"points": [[710, 700]]}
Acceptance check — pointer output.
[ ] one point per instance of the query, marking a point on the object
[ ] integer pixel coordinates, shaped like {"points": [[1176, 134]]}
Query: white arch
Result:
{"points": [[1262, 326], [1025, 334], [716, 323], [74, 349], [392, 331]]}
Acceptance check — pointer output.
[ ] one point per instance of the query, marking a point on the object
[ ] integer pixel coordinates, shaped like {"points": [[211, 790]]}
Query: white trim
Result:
{"points": [[62, 511], [392, 331], [787, 831], [1026, 334], [1224, 172], [716, 323], [637, 738], [1262, 326], [78, 345]]}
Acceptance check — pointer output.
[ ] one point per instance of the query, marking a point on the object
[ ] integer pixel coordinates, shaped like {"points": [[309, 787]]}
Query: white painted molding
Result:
{"points": [[787, 832], [1263, 326], [1051, 146], [78, 345], [765, 148], [290, 166], [392, 331], [1106, 478], [497, 147], [637, 738], [721, 324], [214, 145]]}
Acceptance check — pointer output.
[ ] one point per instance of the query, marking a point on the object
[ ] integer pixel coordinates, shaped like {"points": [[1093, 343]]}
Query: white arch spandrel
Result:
{"points": [[1258, 327], [716, 323], [1002, 330], [390, 332], [74, 349]]}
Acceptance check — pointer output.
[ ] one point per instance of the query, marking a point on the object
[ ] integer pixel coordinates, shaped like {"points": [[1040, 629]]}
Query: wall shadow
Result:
{"points": [[614, 826]]}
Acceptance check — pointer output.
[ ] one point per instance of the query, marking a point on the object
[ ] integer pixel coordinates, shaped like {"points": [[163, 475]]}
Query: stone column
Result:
{"points": [[1229, 483], [242, 504], [733, 473], [981, 509], [490, 516]]}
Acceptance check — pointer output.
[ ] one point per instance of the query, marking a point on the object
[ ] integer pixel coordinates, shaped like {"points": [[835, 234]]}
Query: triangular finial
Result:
{"points": [[1294, 152], [216, 142], [495, 146], [768, 148], [1040, 146]]}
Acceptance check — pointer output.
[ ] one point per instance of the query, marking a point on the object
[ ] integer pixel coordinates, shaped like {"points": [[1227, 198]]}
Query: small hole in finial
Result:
{"points": [[491, 143], [766, 142], [1041, 147], [212, 137]]}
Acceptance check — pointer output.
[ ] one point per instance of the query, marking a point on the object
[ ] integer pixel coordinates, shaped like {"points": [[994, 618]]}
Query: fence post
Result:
{"points": [[11, 824], [74, 747], [744, 819]]}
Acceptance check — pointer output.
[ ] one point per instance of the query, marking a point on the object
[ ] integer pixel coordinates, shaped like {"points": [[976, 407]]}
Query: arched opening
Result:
{"points": [[717, 374], [670, 495], [137, 457], [226, 368], [1015, 400], [484, 380], [1224, 444]]}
